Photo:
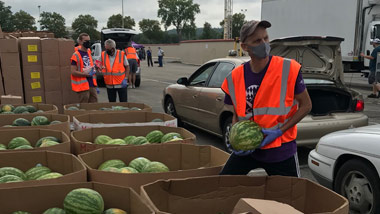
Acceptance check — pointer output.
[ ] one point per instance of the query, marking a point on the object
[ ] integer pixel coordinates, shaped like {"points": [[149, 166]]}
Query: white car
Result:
{"points": [[348, 162]]}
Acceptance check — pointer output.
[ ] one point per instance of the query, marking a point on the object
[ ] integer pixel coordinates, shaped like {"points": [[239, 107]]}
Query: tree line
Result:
{"points": [[179, 14]]}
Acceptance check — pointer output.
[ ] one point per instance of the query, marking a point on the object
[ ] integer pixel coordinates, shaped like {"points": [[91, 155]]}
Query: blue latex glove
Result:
{"points": [[124, 84], [97, 90], [240, 153], [271, 135], [92, 72]]}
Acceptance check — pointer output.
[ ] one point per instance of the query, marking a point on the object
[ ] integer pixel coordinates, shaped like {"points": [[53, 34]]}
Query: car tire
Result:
{"points": [[360, 184], [226, 133], [137, 82], [170, 109]]}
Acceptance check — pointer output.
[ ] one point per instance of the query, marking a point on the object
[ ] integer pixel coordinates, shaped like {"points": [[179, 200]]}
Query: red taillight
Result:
{"points": [[359, 105]]}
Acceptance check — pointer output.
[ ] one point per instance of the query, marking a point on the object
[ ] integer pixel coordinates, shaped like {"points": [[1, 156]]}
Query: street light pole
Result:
{"points": [[39, 15], [122, 13]]}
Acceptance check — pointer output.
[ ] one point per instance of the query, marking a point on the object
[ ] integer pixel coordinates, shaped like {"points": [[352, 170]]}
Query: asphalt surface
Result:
{"points": [[155, 79]]}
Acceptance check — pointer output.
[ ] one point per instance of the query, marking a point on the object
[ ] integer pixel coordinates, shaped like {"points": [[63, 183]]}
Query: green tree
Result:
{"points": [[115, 21], [85, 24], [177, 13], [53, 22], [151, 30], [238, 19], [208, 32], [6, 18], [189, 31], [23, 21]]}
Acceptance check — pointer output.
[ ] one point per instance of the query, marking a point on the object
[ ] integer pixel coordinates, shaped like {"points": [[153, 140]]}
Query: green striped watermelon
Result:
{"points": [[21, 212], [12, 171], [40, 121], [47, 138], [127, 170], [3, 147], [169, 136], [51, 175], [112, 163], [116, 142], [114, 211], [18, 141], [36, 172], [55, 122], [102, 139], [24, 147], [10, 179], [49, 143], [21, 122], [139, 141], [83, 201], [31, 109], [55, 210], [154, 136], [155, 166], [139, 163], [129, 139], [111, 169], [20, 110], [245, 135]]}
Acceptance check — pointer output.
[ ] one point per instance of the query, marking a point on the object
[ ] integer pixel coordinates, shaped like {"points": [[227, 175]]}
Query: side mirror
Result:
{"points": [[183, 81]]}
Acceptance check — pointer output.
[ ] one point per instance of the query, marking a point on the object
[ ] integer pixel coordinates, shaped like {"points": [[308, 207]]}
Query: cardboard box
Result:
{"points": [[81, 139], [66, 50], [183, 160], [55, 98], [7, 119], [1, 33], [11, 71], [49, 45], [31, 58], [2, 92], [33, 135], [33, 78], [46, 108], [95, 108], [118, 119], [53, 85], [34, 97], [68, 165], [37, 199], [28, 34], [9, 99], [30, 45], [8, 46], [10, 60], [259, 206], [51, 73], [50, 59], [219, 194]]}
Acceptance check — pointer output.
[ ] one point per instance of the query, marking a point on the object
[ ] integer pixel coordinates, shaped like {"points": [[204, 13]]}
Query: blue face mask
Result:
{"points": [[260, 51]]}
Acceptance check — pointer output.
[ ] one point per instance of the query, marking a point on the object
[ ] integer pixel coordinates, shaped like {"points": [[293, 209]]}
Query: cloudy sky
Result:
{"points": [[212, 11]]}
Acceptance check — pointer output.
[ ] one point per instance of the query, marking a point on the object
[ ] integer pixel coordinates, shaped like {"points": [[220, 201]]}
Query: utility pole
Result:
{"points": [[39, 15], [228, 19], [122, 13]]}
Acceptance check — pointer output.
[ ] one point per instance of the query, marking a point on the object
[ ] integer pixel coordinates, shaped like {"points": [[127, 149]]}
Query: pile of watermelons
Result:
{"points": [[137, 165], [10, 109], [113, 108], [39, 172], [155, 136], [36, 121], [79, 201], [22, 143]]}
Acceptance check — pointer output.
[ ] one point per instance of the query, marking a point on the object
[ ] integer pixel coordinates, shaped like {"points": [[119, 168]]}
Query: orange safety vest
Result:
{"points": [[115, 75], [80, 83], [274, 102], [79, 47], [131, 53]]}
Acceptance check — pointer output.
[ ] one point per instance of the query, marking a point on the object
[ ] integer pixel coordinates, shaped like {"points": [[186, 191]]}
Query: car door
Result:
{"points": [[211, 98], [187, 103]]}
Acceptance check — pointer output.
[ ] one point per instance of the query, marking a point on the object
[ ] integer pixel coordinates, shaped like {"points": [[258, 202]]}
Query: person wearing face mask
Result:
{"points": [[115, 69], [373, 77], [83, 75], [132, 60], [270, 91]]}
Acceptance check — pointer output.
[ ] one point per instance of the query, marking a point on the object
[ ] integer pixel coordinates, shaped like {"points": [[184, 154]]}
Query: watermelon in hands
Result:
{"points": [[245, 135]]}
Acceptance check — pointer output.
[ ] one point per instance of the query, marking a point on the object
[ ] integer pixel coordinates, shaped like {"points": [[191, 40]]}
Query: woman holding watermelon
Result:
{"points": [[268, 90]]}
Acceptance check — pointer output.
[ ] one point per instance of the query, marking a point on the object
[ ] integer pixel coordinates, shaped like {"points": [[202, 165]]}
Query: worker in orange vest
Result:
{"points": [[83, 74], [270, 91], [115, 70], [132, 57]]}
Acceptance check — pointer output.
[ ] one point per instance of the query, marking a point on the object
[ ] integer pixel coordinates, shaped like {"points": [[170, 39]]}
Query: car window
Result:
{"points": [[317, 81], [200, 77], [220, 73]]}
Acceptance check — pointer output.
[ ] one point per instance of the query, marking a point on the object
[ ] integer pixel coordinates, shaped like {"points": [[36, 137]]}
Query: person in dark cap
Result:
{"points": [[270, 91], [373, 77]]}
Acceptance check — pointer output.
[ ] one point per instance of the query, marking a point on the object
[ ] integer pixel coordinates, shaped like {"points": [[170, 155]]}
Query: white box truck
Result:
{"points": [[357, 21]]}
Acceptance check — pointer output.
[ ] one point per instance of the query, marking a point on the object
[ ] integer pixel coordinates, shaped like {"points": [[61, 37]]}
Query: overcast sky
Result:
{"points": [[212, 11]]}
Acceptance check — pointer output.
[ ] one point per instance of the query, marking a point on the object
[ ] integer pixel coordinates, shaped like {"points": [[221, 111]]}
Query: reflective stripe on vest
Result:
{"points": [[131, 53]]}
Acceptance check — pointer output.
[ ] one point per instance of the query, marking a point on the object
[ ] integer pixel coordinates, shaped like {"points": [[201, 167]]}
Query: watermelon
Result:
{"points": [[55, 210], [139, 163], [10, 179], [24, 147], [73, 108], [155, 166], [119, 108], [245, 135], [18, 141], [39, 111], [49, 143], [110, 169], [7, 108], [31, 109], [36, 172], [157, 120], [21, 212], [21, 122], [154, 136], [55, 122], [25, 112], [50, 175], [83, 201], [102, 139], [20, 109], [139, 140], [128, 170], [12, 171], [47, 138], [129, 139], [175, 139], [114, 211], [2, 146], [116, 142], [7, 112], [40, 121], [135, 109], [105, 109], [114, 163], [169, 136]]}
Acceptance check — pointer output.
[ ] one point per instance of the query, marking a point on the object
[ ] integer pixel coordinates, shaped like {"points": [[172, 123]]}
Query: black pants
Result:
{"points": [[242, 165], [150, 61], [123, 95]]}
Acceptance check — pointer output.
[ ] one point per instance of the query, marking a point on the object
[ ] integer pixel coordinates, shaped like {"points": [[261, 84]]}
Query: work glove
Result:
{"points": [[97, 90], [270, 136], [124, 84], [240, 152], [92, 72]]}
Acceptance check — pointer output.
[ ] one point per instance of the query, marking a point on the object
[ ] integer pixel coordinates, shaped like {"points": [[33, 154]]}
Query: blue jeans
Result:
{"points": [[160, 61]]}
